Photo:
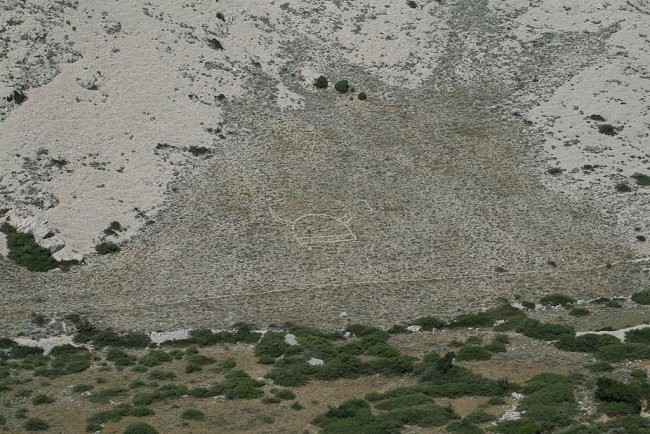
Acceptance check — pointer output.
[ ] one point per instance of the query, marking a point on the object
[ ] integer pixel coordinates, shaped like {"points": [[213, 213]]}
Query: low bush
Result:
{"points": [[104, 395], [155, 358], [66, 359], [342, 86], [285, 394], [588, 343], [239, 385], [536, 329], [36, 424], [579, 311], [160, 394], [192, 414], [116, 414], [140, 428], [119, 357], [473, 352], [623, 351], [641, 179], [502, 312], [81, 388], [607, 129], [42, 399], [520, 426], [610, 390], [642, 297], [429, 323], [24, 251], [106, 247], [406, 400], [362, 96], [622, 187], [321, 82], [463, 427], [557, 299], [640, 336], [161, 375]]}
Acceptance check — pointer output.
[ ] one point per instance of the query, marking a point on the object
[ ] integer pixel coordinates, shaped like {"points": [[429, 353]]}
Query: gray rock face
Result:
{"points": [[290, 339], [36, 226], [316, 362]]}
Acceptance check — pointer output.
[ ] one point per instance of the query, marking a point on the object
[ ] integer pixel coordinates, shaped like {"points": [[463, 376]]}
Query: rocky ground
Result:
{"points": [[245, 193]]}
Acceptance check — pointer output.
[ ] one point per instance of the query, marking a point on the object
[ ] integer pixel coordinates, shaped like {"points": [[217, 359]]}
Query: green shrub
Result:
{"points": [[36, 424], [496, 347], [162, 393], [642, 297], [192, 367], [607, 129], [557, 299], [622, 187], [273, 345], [192, 414], [116, 414], [271, 400], [550, 400], [641, 179], [104, 395], [285, 394], [161, 375], [424, 415], [296, 405], [106, 247], [342, 86], [42, 399], [473, 352], [463, 427], [200, 359], [429, 323], [623, 351], [239, 385], [140, 428], [24, 251], [610, 390], [362, 96], [406, 400], [588, 343], [502, 312], [536, 329], [3, 420], [66, 359], [479, 417], [119, 357], [155, 358], [579, 311], [640, 336], [521, 426], [321, 82]]}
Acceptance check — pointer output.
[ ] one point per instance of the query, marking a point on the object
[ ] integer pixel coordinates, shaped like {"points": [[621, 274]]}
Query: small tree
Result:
{"points": [[321, 82], [342, 86]]}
